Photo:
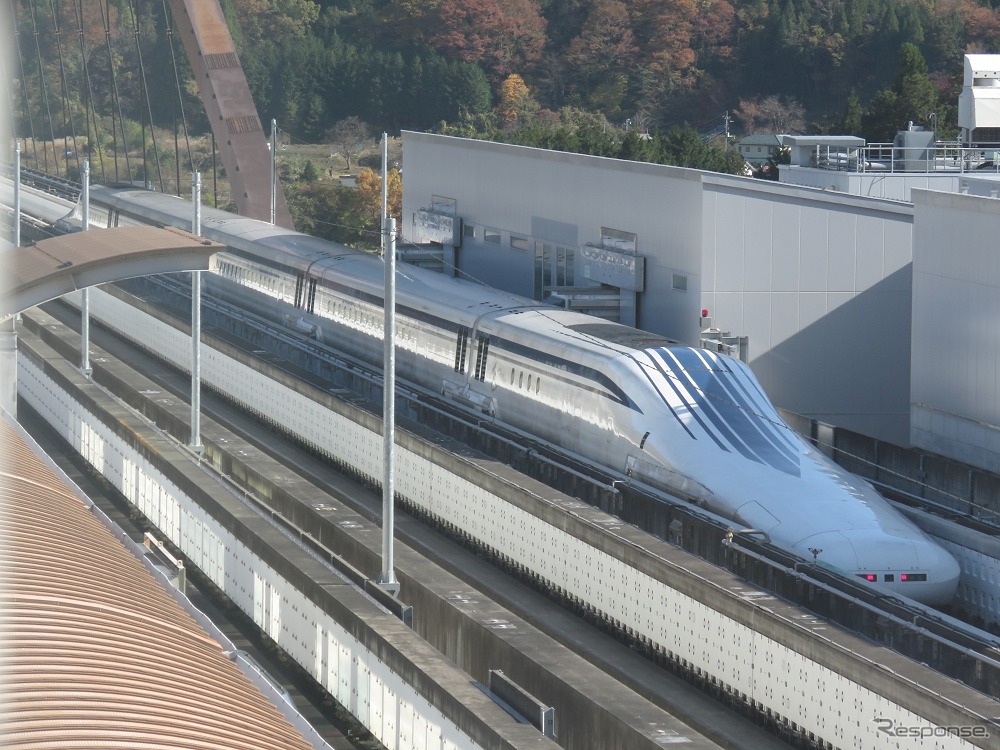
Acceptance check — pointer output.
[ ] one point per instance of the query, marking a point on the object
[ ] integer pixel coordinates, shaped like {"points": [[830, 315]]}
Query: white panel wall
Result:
{"points": [[820, 283], [788, 683], [956, 327], [564, 198]]}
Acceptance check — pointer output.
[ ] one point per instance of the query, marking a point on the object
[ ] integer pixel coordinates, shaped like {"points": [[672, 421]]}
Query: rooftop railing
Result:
{"points": [[890, 158]]}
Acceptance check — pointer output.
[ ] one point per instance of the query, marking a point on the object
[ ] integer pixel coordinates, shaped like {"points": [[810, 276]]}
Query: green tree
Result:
{"points": [[916, 92], [882, 120], [684, 147], [912, 97], [850, 123]]}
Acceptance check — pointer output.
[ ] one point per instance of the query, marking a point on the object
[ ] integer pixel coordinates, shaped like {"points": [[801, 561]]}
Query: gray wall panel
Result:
{"points": [[759, 255], [842, 262], [814, 250], [956, 320], [524, 190], [870, 255], [785, 247]]}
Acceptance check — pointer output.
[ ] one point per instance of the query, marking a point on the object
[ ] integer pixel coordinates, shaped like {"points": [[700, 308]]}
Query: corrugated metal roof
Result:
{"points": [[93, 651]]}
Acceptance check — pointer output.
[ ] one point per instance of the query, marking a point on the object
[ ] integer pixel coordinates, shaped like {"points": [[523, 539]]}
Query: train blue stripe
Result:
{"points": [[722, 389], [694, 396]]}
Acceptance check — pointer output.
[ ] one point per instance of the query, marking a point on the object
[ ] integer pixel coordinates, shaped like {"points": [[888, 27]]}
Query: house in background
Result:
{"points": [[757, 148]]}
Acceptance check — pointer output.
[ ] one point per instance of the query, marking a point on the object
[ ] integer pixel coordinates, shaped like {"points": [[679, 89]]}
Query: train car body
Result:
{"points": [[687, 420]]}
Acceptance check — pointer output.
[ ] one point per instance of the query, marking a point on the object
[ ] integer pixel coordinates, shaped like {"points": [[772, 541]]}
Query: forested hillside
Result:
{"points": [[575, 74], [657, 63]]}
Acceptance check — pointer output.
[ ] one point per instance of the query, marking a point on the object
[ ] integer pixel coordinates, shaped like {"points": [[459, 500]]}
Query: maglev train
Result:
{"points": [[686, 420]]}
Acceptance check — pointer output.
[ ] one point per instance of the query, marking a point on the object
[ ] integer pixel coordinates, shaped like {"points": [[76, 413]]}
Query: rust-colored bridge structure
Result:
{"points": [[230, 108]]}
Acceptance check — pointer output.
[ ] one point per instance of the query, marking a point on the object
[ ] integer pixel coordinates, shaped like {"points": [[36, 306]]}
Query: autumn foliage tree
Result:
{"points": [[516, 104], [500, 35], [369, 191]]}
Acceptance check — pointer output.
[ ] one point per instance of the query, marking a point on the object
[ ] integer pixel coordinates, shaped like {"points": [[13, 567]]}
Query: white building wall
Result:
{"points": [[896, 186], [955, 383], [556, 197], [820, 283]]}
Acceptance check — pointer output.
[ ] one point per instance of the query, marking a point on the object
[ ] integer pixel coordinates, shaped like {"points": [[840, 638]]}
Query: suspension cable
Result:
{"points": [[45, 93], [90, 110], [116, 100], [67, 110], [180, 100], [24, 84], [145, 96], [8, 90]]}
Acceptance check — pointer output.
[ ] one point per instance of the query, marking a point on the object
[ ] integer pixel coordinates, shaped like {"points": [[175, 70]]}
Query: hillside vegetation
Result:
{"points": [[658, 80]]}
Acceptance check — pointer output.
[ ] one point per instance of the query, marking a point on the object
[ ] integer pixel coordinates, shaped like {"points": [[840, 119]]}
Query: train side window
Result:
{"points": [[889, 578], [512, 376], [529, 382], [520, 381], [481, 356], [461, 345], [538, 384]]}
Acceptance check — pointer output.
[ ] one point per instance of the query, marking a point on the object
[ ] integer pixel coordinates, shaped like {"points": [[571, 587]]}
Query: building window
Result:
{"points": [[538, 270], [518, 243], [564, 266], [680, 282], [469, 230], [491, 235]]}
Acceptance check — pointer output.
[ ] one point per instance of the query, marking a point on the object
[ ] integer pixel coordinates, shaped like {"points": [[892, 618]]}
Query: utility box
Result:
{"points": [[913, 149]]}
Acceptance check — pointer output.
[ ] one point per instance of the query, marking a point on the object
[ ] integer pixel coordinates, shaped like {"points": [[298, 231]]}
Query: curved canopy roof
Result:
{"points": [[51, 268]]}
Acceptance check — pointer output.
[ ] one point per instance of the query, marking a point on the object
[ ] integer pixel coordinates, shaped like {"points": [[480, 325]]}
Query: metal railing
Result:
{"points": [[889, 158]]}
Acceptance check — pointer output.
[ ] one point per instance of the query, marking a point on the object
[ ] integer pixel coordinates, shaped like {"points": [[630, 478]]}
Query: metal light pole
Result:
{"points": [[196, 444], [85, 294], [17, 194], [387, 579], [273, 192]]}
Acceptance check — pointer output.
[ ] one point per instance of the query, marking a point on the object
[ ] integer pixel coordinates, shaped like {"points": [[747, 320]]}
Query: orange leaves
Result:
{"points": [[369, 191], [515, 100], [500, 35]]}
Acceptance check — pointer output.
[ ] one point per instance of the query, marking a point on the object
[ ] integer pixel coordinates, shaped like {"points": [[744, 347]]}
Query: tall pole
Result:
{"points": [[8, 330], [274, 156], [388, 576], [385, 179], [196, 444], [17, 194], [85, 294]]}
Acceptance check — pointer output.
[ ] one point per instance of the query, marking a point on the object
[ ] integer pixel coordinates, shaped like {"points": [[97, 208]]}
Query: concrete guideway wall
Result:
{"points": [[454, 617], [367, 659], [826, 682]]}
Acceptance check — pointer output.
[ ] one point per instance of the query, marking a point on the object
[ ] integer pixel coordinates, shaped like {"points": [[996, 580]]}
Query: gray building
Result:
{"points": [[955, 386]]}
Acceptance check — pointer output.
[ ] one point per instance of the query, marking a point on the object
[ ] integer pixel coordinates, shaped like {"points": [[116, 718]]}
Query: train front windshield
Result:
{"points": [[727, 403]]}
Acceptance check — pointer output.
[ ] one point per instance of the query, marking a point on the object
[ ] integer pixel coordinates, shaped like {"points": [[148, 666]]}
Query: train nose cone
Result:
{"points": [[862, 551]]}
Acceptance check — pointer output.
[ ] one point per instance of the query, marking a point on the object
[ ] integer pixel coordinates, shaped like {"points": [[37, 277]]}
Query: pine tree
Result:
{"points": [[851, 124], [916, 92]]}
